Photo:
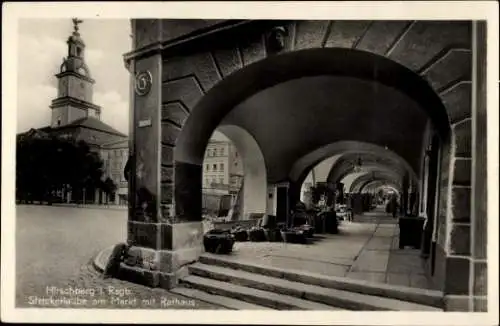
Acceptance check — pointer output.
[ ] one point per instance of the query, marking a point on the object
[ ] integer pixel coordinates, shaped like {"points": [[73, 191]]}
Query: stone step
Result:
{"points": [[217, 299], [250, 295], [328, 296], [419, 296]]}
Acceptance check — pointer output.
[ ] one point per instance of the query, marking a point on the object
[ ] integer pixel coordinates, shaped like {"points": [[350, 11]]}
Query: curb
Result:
{"points": [[101, 259], [105, 207]]}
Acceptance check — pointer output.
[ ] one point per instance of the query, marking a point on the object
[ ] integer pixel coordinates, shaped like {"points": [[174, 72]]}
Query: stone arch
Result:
{"points": [[358, 183], [254, 195], [186, 67], [229, 92], [375, 184], [345, 165], [305, 164]]}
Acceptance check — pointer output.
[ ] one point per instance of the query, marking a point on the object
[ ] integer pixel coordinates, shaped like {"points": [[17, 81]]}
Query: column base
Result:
{"points": [[164, 267], [150, 278], [458, 303]]}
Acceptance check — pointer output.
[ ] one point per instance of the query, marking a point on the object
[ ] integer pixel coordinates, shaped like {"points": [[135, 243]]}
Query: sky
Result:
{"points": [[41, 49]]}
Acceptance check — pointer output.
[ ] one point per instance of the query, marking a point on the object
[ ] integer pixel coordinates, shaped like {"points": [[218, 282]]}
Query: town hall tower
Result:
{"points": [[75, 85]]}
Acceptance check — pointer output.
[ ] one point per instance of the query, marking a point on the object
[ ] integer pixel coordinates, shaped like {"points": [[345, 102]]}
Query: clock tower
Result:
{"points": [[75, 85]]}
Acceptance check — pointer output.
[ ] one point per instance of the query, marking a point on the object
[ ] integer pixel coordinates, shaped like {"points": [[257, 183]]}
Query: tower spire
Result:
{"points": [[76, 22]]}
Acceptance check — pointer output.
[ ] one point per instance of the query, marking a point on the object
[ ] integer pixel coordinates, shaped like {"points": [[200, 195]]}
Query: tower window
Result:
{"points": [[58, 122]]}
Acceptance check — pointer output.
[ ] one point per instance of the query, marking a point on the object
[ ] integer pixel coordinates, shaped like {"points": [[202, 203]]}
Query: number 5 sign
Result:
{"points": [[143, 83]]}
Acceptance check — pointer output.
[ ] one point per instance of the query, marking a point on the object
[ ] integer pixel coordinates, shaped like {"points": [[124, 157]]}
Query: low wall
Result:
{"points": [[230, 224]]}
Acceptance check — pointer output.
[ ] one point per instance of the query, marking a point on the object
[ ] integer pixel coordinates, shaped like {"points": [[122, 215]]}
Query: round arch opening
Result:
{"points": [[252, 79], [252, 198]]}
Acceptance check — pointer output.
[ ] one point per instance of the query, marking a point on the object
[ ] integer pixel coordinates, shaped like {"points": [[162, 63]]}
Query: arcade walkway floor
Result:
{"points": [[366, 249]]}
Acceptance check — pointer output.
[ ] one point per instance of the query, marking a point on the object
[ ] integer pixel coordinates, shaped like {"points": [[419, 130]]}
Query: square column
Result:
{"points": [[465, 285], [164, 230]]}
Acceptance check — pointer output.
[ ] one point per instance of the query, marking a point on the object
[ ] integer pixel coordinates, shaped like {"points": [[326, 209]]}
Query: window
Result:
{"points": [[221, 167], [214, 152], [214, 167], [207, 167], [222, 151], [221, 180], [206, 181]]}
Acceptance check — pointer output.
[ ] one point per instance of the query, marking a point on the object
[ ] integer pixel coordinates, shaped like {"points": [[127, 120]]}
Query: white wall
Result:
{"points": [[255, 175]]}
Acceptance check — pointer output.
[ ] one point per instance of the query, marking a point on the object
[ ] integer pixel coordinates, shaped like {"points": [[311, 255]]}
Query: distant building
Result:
{"points": [[222, 177], [115, 155], [222, 168], [75, 116]]}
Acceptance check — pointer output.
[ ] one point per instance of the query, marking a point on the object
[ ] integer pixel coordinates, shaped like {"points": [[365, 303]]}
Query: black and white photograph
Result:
{"points": [[213, 164]]}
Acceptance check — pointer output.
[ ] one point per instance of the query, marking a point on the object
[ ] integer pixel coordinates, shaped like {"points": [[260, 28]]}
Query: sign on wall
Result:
{"points": [[143, 83]]}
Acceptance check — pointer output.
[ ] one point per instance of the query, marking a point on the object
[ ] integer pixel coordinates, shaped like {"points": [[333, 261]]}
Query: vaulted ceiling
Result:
{"points": [[294, 118]]}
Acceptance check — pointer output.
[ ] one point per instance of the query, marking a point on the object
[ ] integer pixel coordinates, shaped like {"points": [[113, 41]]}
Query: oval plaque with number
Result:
{"points": [[143, 83]]}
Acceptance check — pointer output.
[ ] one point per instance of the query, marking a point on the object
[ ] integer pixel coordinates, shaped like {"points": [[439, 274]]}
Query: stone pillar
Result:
{"points": [[165, 218], [149, 233], [271, 199], [465, 278], [479, 225]]}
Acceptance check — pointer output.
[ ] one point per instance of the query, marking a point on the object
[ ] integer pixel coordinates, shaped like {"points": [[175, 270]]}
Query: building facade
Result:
{"points": [[75, 116], [222, 168], [114, 156]]}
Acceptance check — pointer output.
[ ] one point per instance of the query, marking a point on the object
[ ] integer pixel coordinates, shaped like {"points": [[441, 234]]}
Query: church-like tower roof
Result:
{"points": [[75, 61]]}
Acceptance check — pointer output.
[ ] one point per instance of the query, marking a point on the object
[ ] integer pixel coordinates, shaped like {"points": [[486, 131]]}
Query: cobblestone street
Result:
{"points": [[54, 247]]}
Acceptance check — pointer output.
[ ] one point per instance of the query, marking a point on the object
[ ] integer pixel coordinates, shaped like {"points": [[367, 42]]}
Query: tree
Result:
{"points": [[108, 186], [47, 163]]}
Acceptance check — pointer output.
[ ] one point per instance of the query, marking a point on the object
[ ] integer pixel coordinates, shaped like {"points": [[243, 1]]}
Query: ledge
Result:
{"points": [[199, 39]]}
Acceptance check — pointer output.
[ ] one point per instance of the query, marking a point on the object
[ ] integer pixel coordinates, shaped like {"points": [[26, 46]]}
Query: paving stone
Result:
{"points": [[312, 266], [371, 261], [402, 279], [377, 277], [395, 243], [419, 281], [379, 243], [384, 232], [404, 263]]}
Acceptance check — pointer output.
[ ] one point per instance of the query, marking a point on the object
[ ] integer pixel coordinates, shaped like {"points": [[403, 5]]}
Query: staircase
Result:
{"points": [[240, 285]]}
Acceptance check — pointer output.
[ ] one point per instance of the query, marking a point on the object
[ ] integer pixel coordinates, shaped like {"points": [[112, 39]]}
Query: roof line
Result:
{"points": [[114, 142]]}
